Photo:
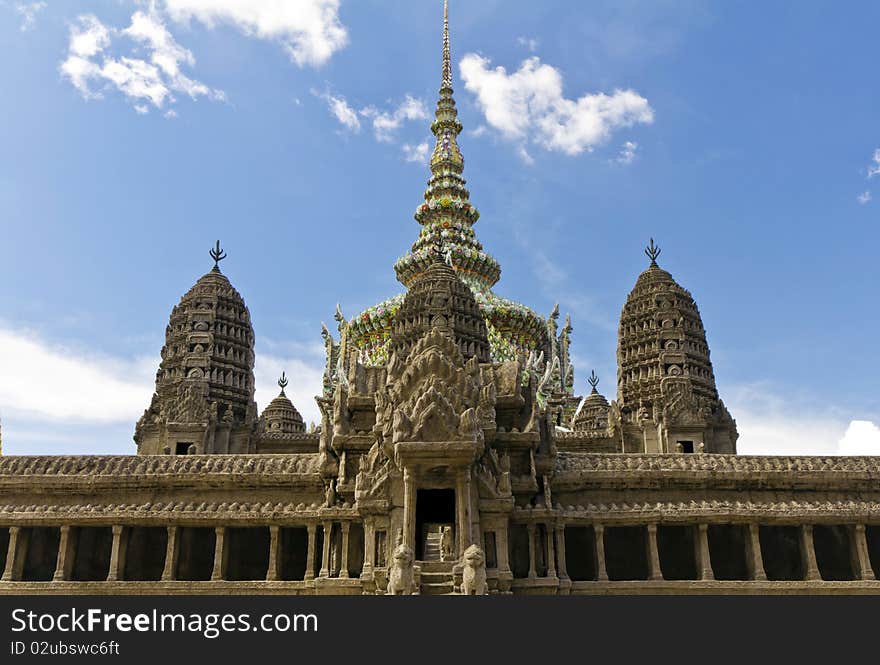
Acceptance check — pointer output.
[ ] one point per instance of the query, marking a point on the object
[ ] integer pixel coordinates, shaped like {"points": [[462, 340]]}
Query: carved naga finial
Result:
{"points": [[218, 255], [652, 251], [594, 381], [282, 382]]}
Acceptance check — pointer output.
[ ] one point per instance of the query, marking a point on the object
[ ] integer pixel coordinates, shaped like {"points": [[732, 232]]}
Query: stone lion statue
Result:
{"points": [[473, 578], [400, 575], [447, 544]]}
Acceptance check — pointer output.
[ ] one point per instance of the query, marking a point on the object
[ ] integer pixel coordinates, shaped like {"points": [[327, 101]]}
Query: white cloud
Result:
{"points": [[477, 131], [874, 166], [341, 110], [417, 153], [309, 30], [864, 197], [769, 424], [58, 383], [528, 42], [627, 153], [144, 82], [528, 106], [28, 12], [386, 123]]}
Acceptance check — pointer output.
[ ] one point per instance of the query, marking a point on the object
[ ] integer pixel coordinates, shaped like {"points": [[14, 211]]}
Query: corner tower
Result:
{"points": [[666, 394], [204, 399]]}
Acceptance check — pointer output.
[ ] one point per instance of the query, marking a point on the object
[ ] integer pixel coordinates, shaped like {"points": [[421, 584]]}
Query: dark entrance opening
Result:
{"points": [[195, 558], [727, 550], [294, 553], [145, 553], [182, 447], [872, 536], [580, 553], [4, 546], [675, 546], [92, 547], [781, 550], [247, 554], [41, 555], [626, 552], [686, 446], [518, 550], [834, 556], [433, 507]]}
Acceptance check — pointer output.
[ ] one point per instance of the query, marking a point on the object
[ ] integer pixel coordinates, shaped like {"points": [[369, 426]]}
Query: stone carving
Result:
{"points": [[473, 579], [400, 574], [447, 544]]}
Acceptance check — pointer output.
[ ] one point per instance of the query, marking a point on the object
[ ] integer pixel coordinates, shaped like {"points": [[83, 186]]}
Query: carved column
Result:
{"points": [[601, 573], [861, 558], [462, 506], [502, 548], [117, 555], [343, 566], [171, 552], [274, 546], [369, 546], [560, 549], [531, 528], [325, 558], [704, 561], [14, 555], [409, 510], [754, 559], [219, 572], [64, 563], [551, 551], [654, 571], [310, 552], [808, 553]]}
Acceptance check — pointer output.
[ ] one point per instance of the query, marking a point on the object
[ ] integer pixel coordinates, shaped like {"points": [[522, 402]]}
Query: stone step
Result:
{"points": [[436, 588], [437, 566]]}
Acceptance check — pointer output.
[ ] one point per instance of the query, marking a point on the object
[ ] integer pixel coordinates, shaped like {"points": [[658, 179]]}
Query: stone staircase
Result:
{"points": [[436, 577]]}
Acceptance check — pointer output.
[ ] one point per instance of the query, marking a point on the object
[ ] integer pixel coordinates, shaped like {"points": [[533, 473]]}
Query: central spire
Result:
{"points": [[447, 215]]}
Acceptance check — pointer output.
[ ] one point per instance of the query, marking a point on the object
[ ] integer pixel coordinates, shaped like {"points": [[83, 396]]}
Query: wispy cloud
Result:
{"points": [[528, 107], [28, 12], [310, 31], [864, 197], [340, 109], [386, 123], [874, 166], [528, 42], [149, 81], [416, 153], [627, 153]]}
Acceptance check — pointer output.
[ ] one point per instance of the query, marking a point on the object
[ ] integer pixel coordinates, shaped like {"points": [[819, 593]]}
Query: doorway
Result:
{"points": [[434, 509]]}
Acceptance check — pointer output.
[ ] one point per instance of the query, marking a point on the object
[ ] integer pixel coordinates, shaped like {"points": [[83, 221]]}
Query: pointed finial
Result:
{"points": [[594, 381], [447, 60], [218, 255], [652, 252], [282, 382]]}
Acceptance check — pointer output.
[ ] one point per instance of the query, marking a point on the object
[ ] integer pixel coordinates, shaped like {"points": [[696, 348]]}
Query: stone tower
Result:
{"points": [[666, 395], [204, 399], [281, 416]]}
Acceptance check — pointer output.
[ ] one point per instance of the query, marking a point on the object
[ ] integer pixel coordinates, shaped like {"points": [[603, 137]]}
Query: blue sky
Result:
{"points": [[742, 138]]}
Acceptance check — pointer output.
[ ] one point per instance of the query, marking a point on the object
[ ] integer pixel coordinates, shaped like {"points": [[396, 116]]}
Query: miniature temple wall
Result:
{"points": [[617, 524]]}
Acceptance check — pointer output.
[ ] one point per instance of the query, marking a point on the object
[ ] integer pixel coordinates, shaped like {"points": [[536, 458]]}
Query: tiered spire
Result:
{"points": [[447, 212]]}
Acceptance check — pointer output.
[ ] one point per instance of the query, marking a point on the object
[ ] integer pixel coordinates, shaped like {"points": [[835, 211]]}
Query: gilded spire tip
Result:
{"points": [[447, 59]]}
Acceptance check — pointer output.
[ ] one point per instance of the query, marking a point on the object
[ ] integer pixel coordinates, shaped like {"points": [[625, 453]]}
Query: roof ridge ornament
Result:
{"points": [[218, 255], [282, 382], [652, 251], [593, 381]]}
